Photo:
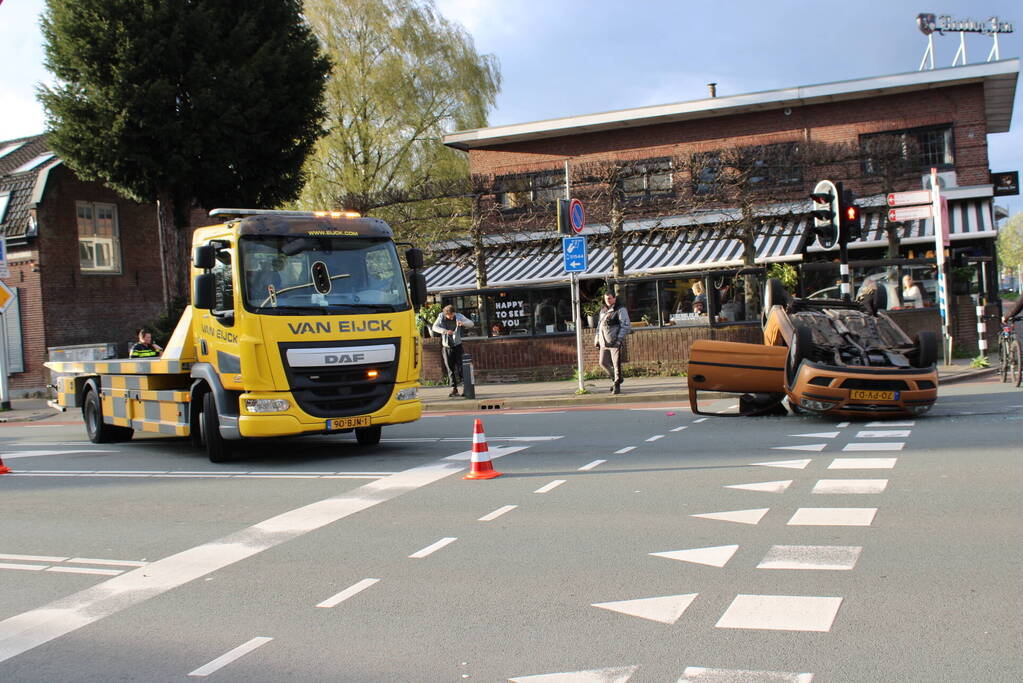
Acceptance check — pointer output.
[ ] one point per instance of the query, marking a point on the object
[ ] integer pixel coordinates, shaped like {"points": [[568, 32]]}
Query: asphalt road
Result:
{"points": [[620, 544]]}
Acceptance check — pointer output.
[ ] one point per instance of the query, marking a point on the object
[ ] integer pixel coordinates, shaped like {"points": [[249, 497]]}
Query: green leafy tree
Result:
{"points": [[402, 76], [184, 103], [1010, 242]]}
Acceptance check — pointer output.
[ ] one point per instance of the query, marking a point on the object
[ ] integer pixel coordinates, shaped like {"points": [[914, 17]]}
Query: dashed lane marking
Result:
{"points": [[833, 517], [829, 557], [432, 548], [679, 429], [617, 674], [666, 609], [763, 486], [815, 447], [553, 485], [655, 437], [908, 423], [786, 464], [225, 659], [850, 486], [862, 463], [738, 516], [781, 613], [883, 434], [879, 446], [699, 674], [702, 419], [589, 466], [842, 425], [623, 451], [85, 570], [497, 513], [354, 589], [819, 435], [716, 556]]}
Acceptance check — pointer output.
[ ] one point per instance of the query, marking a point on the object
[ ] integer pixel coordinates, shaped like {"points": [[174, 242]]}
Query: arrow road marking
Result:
{"points": [[618, 674], [717, 556], [666, 610]]}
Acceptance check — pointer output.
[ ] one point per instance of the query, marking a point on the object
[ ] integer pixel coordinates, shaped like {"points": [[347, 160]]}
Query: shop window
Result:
{"points": [[509, 313], [469, 306], [642, 304], [678, 300], [738, 298], [921, 148], [99, 248], [516, 191], [645, 179]]}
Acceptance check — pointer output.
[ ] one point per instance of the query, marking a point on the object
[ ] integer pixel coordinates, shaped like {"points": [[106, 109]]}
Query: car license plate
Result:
{"points": [[347, 423], [864, 395]]}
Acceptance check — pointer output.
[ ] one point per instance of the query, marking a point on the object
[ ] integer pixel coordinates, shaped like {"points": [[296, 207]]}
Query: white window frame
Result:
{"points": [[93, 244]]}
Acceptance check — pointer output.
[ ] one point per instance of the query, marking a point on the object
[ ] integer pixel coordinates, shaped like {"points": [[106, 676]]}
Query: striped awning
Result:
{"points": [[692, 249], [969, 219]]}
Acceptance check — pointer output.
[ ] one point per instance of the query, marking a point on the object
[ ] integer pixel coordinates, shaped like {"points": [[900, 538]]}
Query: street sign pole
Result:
{"points": [[938, 219], [5, 398], [576, 304]]}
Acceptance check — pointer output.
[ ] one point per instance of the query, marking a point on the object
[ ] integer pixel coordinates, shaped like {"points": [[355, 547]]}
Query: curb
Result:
{"points": [[583, 400], [27, 418], [967, 376]]}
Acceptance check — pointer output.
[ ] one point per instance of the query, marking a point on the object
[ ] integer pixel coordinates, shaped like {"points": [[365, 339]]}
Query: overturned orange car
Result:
{"points": [[824, 357]]}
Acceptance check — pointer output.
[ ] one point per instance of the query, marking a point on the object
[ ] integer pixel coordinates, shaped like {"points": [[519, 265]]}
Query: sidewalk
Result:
{"points": [[526, 395]]}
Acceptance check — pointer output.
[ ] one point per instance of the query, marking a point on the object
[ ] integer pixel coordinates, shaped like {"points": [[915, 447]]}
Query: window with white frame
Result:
{"points": [[99, 249]]}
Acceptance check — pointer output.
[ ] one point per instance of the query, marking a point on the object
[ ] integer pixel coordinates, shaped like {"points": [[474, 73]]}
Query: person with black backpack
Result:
{"points": [[612, 327]]}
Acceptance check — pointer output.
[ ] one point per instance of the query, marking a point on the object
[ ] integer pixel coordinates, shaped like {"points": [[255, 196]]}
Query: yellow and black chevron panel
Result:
{"points": [[146, 382]]}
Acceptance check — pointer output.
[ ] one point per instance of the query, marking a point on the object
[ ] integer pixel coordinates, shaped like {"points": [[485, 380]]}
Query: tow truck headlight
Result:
{"points": [[407, 394], [266, 405], [810, 404]]}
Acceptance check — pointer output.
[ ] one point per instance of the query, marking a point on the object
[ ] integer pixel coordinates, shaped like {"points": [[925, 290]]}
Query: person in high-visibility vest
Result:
{"points": [[145, 347]]}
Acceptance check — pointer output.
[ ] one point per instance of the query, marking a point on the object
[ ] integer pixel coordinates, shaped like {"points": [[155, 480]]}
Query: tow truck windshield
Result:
{"points": [[295, 275]]}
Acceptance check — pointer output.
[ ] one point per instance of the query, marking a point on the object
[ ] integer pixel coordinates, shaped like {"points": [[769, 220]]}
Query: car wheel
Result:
{"points": [[368, 436], [926, 350], [799, 350], [217, 448]]}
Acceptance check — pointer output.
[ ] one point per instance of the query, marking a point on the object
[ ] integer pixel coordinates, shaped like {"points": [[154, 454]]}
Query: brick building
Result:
{"points": [[943, 117], [83, 261]]}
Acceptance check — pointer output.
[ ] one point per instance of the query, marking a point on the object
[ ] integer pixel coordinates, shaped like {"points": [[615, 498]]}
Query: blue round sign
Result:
{"points": [[576, 215]]}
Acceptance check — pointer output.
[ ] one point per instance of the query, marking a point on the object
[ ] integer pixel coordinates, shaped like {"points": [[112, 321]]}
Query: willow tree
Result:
{"points": [[184, 103], [402, 77]]}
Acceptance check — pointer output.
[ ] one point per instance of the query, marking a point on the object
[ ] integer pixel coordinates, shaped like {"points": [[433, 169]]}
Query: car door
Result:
{"points": [[735, 368]]}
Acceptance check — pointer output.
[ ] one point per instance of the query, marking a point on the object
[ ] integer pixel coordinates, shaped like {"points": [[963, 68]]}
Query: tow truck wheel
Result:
{"points": [[217, 449], [367, 436], [92, 412]]}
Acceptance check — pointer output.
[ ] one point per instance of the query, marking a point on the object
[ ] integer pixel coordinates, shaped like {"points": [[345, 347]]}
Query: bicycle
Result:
{"points": [[1009, 352]]}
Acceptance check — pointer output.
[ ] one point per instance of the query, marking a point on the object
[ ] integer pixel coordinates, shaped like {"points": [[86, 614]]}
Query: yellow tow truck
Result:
{"points": [[299, 323]]}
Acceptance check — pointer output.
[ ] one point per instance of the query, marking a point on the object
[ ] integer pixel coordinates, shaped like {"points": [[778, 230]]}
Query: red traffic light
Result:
{"points": [[852, 213]]}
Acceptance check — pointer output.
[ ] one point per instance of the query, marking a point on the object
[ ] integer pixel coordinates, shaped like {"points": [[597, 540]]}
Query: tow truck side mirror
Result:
{"points": [[204, 290], [417, 288], [204, 257], [414, 258]]}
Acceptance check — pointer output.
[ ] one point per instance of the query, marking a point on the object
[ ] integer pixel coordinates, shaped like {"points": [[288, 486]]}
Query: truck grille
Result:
{"points": [[341, 391]]}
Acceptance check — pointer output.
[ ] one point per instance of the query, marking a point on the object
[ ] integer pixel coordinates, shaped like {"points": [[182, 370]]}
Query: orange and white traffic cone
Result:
{"points": [[4, 469], [481, 465]]}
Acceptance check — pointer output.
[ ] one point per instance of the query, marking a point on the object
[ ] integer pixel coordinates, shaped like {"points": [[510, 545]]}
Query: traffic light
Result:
{"points": [[825, 212], [850, 228], [564, 222]]}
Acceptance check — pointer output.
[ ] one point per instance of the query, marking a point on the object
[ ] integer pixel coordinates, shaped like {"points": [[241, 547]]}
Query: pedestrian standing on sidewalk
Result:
{"points": [[449, 325], [612, 328]]}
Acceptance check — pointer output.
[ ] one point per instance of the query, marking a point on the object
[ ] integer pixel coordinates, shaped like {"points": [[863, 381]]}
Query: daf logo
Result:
{"points": [[344, 359]]}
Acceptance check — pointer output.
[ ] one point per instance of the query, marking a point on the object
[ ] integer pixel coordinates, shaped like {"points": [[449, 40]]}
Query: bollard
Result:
{"points": [[468, 380]]}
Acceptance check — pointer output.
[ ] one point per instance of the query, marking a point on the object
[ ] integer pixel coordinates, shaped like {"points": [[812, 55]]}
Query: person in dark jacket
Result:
{"points": [[612, 328], [145, 347], [449, 325]]}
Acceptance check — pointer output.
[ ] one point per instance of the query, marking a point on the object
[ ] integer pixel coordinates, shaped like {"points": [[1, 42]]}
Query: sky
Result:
{"points": [[571, 57]]}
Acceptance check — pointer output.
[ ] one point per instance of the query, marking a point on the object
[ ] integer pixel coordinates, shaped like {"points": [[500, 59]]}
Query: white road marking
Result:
{"points": [[702, 419], [225, 659], [623, 451], [763, 486], [26, 567], [496, 513], [28, 630], [717, 556], [831, 557], [589, 466], [833, 517], [781, 613], [787, 464], [190, 475], [335, 600], [815, 447], [432, 548], [33, 558], [36, 454], [85, 570], [655, 437], [507, 438], [111, 563], [843, 425], [738, 516], [547, 487], [862, 463], [413, 439], [617, 674], [850, 486], [699, 674], [534, 412], [819, 435], [679, 429], [665, 609], [909, 423], [879, 446], [883, 434]]}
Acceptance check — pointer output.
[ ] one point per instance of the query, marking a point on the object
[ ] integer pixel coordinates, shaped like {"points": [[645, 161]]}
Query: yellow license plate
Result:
{"points": [[347, 423], [864, 395]]}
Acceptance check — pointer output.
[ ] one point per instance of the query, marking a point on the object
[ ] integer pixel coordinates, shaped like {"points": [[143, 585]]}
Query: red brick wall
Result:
{"points": [[654, 350], [838, 122]]}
